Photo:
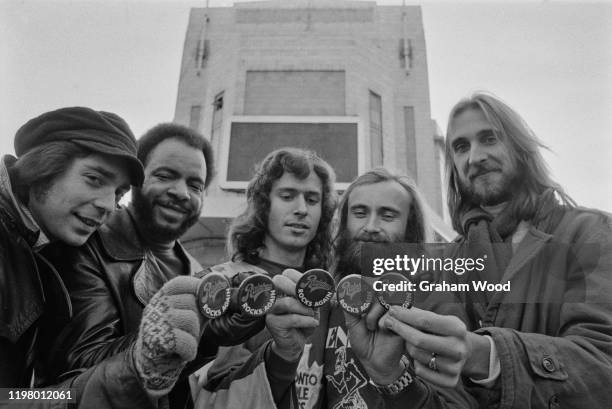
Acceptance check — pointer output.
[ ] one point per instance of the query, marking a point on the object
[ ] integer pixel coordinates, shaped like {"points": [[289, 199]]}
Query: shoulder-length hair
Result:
{"points": [[417, 228], [522, 143], [248, 230]]}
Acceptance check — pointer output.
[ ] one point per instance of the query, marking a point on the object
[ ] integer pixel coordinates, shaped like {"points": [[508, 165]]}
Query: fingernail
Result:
{"points": [[393, 311], [388, 323]]}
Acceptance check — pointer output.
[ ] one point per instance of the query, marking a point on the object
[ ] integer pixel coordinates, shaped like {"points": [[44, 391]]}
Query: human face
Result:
{"points": [[80, 199], [378, 212], [484, 166], [170, 200], [293, 220]]}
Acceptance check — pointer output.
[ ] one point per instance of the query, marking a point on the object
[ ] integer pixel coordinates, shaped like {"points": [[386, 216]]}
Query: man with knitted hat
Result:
{"points": [[72, 167], [133, 289]]}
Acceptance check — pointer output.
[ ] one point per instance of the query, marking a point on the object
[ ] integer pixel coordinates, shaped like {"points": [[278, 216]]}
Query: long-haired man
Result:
{"points": [[286, 228], [547, 342]]}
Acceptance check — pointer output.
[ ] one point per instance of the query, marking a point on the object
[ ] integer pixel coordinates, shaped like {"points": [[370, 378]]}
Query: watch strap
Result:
{"points": [[401, 383]]}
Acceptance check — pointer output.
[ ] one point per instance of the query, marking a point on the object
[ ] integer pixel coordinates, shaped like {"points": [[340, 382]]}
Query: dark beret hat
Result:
{"points": [[98, 131]]}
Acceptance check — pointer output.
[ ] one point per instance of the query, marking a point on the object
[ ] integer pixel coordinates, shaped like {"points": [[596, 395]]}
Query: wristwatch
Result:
{"points": [[399, 384]]}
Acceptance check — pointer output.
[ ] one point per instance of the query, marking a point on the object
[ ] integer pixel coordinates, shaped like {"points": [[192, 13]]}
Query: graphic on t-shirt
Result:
{"points": [[308, 380], [347, 378]]}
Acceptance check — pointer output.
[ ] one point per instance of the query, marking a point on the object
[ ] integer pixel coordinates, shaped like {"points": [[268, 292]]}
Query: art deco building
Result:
{"points": [[347, 79]]}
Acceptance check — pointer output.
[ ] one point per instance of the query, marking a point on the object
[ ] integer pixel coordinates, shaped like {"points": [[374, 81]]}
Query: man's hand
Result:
{"points": [[426, 333], [289, 322], [168, 336], [232, 328], [378, 349]]}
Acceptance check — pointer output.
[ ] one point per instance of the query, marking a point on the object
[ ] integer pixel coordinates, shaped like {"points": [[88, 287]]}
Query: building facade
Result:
{"points": [[347, 79]]}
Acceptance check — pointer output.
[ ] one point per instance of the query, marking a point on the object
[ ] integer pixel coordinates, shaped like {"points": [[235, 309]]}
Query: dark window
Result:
{"points": [[217, 119], [410, 132], [376, 134], [250, 142]]}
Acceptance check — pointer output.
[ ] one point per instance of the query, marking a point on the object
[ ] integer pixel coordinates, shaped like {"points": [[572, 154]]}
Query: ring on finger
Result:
{"points": [[433, 365]]}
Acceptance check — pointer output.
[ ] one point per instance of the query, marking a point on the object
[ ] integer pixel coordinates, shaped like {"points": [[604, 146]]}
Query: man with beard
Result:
{"points": [[547, 343], [380, 207], [131, 286], [349, 361]]}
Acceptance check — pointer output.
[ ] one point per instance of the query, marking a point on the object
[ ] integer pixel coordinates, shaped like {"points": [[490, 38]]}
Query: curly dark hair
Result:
{"points": [[188, 136], [248, 230]]}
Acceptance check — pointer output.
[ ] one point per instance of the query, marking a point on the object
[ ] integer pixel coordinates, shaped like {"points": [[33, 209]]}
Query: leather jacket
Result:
{"points": [[32, 295], [108, 284]]}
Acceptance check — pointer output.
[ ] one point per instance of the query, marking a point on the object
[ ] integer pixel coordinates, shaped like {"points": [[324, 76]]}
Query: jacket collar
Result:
{"points": [[120, 238], [122, 242], [548, 217], [14, 214]]}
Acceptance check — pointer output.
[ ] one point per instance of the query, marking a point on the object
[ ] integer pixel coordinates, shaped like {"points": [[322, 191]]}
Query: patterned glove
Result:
{"points": [[169, 335]]}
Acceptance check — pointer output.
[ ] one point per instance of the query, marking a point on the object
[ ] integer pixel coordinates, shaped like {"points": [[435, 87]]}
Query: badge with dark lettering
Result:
{"points": [[214, 295], [315, 288], [393, 289], [354, 294], [256, 295]]}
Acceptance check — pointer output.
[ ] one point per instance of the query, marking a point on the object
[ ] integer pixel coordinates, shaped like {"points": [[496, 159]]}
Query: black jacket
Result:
{"points": [[29, 288], [34, 306], [105, 281]]}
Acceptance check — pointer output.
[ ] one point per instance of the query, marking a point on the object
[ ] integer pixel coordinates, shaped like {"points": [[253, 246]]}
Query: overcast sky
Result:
{"points": [[551, 61]]}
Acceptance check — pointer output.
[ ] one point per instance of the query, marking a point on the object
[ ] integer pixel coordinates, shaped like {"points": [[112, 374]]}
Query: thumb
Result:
{"points": [[181, 285]]}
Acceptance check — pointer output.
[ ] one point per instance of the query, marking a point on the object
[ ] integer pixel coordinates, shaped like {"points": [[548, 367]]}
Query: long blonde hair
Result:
{"points": [[521, 141]]}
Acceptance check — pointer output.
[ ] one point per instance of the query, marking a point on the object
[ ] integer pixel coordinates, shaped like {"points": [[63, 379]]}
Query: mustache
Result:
{"points": [[371, 238], [180, 206], [480, 169]]}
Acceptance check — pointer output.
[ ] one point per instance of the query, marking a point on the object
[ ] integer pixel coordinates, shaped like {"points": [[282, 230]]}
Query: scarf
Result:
{"points": [[492, 236]]}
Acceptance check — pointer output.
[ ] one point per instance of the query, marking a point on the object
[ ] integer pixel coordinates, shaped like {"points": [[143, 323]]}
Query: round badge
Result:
{"points": [[354, 294], [315, 288], [256, 295], [392, 289], [214, 295]]}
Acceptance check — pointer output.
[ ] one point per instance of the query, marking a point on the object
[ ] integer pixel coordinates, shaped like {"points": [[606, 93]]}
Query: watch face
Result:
{"points": [[256, 295], [315, 288], [214, 295], [354, 294], [393, 289]]}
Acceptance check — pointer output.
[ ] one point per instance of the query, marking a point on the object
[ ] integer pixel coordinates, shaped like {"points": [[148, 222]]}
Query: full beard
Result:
{"points": [[490, 195], [144, 212], [349, 252]]}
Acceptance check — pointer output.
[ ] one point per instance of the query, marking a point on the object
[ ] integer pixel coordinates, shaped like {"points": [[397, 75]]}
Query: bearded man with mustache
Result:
{"points": [[366, 364], [132, 286], [349, 249]]}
